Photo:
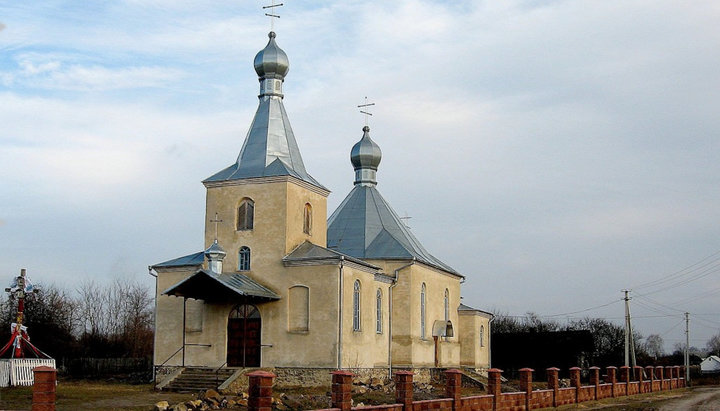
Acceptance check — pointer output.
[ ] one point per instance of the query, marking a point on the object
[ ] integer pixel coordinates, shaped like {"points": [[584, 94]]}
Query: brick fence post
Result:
{"points": [[404, 389], [453, 387], [260, 390], [494, 388], [659, 376], [45, 381], [595, 380], [625, 377], [680, 374], [575, 382], [671, 376], [611, 378], [650, 370], [553, 382], [341, 391], [526, 385], [638, 371]]}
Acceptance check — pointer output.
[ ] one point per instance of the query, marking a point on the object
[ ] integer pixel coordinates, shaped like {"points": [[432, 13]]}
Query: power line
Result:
{"points": [[678, 273]]}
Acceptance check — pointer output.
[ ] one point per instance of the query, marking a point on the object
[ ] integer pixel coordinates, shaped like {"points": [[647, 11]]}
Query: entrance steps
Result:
{"points": [[193, 379]]}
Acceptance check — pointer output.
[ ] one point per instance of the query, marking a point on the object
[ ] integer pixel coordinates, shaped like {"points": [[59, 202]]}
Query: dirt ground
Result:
{"points": [[704, 398]]}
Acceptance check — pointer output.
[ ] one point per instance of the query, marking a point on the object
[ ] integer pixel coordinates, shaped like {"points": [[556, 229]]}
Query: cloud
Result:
{"points": [[2, 27]]}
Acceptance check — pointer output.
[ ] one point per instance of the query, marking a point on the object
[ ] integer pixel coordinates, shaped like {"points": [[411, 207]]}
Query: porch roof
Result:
{"points": [[219, 288]]}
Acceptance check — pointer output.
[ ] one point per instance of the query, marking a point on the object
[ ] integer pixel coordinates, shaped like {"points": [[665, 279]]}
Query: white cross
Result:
{"points": [[271, 15], [364, 110]]}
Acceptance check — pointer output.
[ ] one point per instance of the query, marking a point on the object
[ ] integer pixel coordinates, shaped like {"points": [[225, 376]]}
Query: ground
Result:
{"points": [[103, 396]]}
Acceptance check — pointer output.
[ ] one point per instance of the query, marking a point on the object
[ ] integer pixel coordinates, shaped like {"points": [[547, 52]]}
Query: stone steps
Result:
{"points": [[199, 379]]}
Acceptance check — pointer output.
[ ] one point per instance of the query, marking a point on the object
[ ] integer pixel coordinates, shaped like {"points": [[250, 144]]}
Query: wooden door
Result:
{"points": [[244, 329]]}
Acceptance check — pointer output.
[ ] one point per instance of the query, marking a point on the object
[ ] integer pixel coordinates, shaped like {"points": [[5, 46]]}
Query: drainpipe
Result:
{"points": [[390, 312], [340, 314], [490, 341], [150, 271]]}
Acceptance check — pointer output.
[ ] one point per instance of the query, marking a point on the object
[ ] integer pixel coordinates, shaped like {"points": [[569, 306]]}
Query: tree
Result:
{"points": [[654, 346], [713, 345]]}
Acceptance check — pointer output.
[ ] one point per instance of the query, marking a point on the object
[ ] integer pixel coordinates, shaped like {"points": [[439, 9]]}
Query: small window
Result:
{"points": [[244, 259], [307, 219], [356, 306], [447, 305], [482, 335], [422, 311], [246, 214], [378, 312], [299, 308]]}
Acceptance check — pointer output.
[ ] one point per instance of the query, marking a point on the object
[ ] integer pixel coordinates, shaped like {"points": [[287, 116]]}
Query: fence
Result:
{"points": [[19, 371], [104, 367], [659, 379]]}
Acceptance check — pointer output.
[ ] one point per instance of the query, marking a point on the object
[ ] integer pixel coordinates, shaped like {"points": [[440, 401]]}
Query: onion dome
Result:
{"points": [[215, 255], [365, 157], [271, 62]]}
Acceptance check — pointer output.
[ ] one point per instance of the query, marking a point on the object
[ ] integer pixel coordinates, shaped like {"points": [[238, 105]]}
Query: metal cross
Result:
{"points": [[271, 14], [366, 111], [405, 219], [216, 220]]}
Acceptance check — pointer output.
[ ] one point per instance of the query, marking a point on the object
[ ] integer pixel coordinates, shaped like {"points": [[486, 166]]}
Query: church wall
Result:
{"points": [[297, 197], [472, 352], [364, 348]]}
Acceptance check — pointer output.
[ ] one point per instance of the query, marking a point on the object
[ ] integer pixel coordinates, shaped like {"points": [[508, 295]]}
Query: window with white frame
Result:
{"points": [[378, 312], [244, 259], [423, 292], [356, 306]]}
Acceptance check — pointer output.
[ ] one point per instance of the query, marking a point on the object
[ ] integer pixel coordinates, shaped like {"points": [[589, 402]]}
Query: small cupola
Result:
{"points": [[271, 66], [365, 157], [215, 256]]}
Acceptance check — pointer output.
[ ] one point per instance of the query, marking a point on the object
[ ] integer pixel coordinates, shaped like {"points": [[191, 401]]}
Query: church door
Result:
{"points": [[243, 345]]}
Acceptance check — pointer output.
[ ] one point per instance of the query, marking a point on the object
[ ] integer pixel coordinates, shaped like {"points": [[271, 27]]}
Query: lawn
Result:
{"points": [[93, 395]]}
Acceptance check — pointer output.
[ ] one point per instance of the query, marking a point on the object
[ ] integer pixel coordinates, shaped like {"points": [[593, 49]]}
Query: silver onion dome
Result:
{"points": [[272, 62], [365, 157]]}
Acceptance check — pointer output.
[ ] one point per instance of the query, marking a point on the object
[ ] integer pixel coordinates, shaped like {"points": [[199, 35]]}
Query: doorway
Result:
{"points": [[243, 345]]}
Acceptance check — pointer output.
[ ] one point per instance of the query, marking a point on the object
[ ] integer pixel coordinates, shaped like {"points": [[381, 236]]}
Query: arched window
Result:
{"points": [[447, 305], [246, 214], [422, 311], [307, 219], [482, 335], [244, 259], [298, 308], [378, 312], [356, 306]]}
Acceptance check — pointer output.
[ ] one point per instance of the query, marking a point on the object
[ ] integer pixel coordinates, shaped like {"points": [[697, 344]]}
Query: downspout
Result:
{"points": [[150, 271], [390, 312], [340, 314], [490, 341]]}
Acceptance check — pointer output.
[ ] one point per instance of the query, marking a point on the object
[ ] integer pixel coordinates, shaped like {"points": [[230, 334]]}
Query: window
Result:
{"points": [[447, 305], [246, 214], [298, 308], [422, 311], [244, 259], [378, 312], [307, 219], [482, 335], [356, 306]]}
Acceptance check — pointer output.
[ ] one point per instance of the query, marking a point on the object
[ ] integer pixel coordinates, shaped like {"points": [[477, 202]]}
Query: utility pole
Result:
{"points": [[687, 348], [629, 342]]}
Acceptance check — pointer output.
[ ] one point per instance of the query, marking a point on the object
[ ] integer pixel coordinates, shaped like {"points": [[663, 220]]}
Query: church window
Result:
{"points": [[244, 259], [356, 306], [298, 308], [307, 219], [422, 311], [378, 312], [447, 305], [482, 335], [246, 214]]}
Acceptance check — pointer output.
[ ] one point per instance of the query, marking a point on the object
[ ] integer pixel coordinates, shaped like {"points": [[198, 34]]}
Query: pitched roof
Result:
{"points": [[308, 251], [365, 226], [208, 286], [186, 260]]}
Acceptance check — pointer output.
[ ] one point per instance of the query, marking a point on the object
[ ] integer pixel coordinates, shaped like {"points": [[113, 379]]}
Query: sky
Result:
{"points": [[554, 152]]}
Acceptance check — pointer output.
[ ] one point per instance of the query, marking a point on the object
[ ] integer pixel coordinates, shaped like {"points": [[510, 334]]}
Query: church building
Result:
{"points": [[281, 285]]}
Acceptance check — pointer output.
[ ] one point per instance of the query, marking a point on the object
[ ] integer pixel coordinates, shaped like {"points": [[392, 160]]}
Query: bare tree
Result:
{"points": [[713, 345], [654, 346]]}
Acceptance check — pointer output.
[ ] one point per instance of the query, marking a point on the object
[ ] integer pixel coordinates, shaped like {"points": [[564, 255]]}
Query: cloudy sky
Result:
{"points": [[555, 152]]}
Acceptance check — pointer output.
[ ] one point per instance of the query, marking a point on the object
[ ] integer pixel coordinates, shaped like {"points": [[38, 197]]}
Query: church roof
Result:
{"points": [[467, 308], [208, 286], [364, 225], [270, 148], [190, 259], [308, 251]]}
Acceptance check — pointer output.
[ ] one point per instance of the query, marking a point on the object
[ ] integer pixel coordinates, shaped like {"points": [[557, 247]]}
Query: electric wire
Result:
{"points": [[678, 273]]}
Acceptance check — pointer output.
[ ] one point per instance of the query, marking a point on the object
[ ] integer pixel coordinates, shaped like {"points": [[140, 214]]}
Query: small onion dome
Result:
{"points": [[215, 252], [365, 153], [271, 62]]}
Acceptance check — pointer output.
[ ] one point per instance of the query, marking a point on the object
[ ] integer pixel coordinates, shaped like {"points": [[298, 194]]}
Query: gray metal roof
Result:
{"points": [[270, 148], [211, 287], [365, 226], [190, 259], [309, 251], [464, 307]]}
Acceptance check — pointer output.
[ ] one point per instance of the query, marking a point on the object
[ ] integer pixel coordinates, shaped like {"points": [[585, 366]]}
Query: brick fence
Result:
{"points": [[629, 381]]}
